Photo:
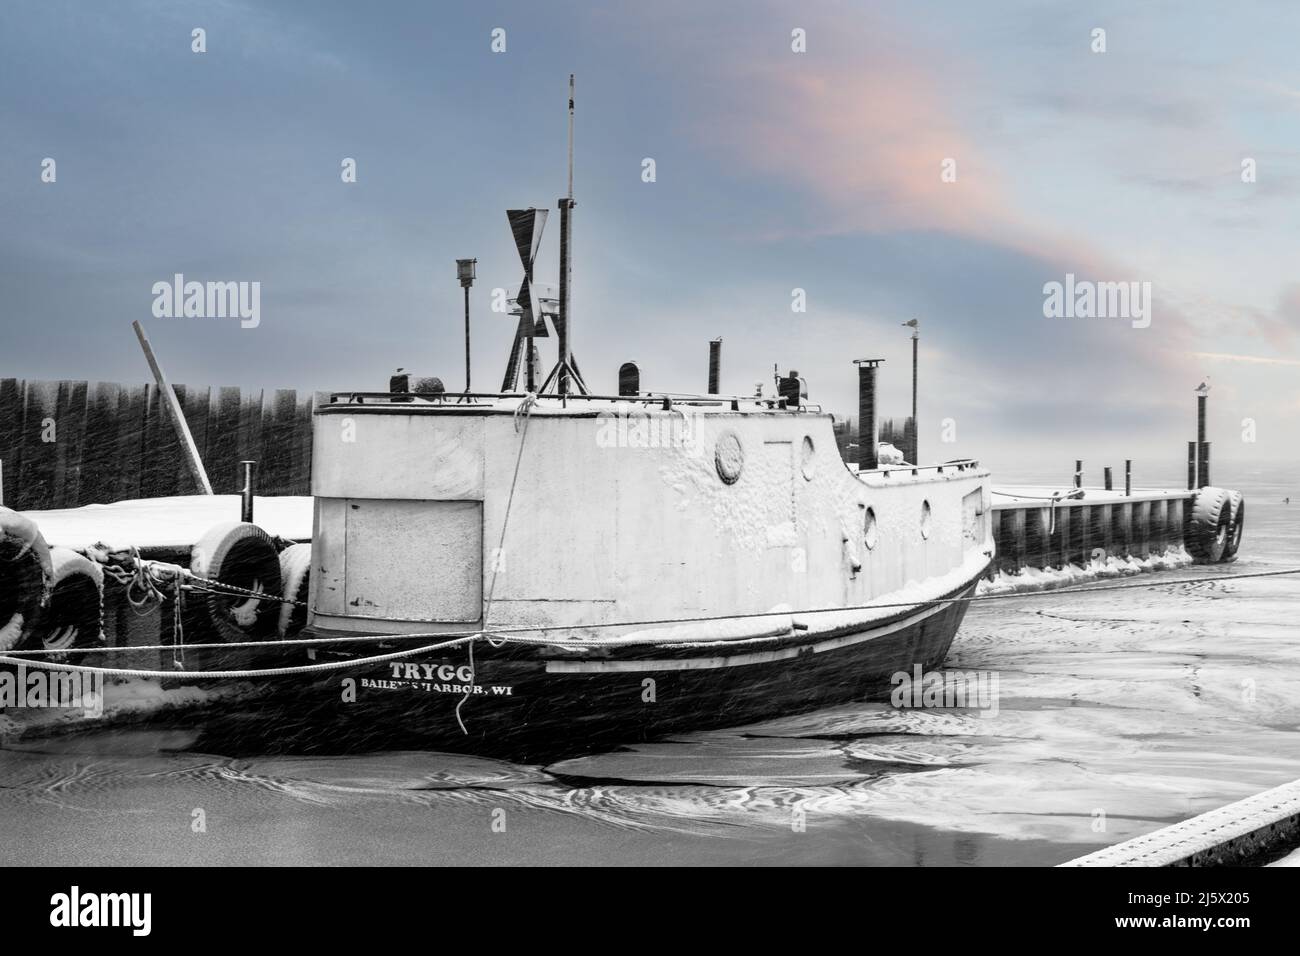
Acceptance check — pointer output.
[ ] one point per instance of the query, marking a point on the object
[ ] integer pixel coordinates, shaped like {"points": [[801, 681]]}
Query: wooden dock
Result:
{"points": [[1040, 528], [1249, 832]]}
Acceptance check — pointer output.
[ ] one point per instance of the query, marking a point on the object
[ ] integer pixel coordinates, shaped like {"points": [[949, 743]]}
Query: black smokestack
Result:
{"points": [[867, 448], [715, 365]]}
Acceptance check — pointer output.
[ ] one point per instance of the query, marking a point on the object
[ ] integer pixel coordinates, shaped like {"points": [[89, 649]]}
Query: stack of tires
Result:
{"points": [[1216, 523], [50, 598]]}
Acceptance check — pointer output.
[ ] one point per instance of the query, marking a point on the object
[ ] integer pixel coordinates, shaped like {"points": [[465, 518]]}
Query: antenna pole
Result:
{"points": [[570, 135], [566, 259]]}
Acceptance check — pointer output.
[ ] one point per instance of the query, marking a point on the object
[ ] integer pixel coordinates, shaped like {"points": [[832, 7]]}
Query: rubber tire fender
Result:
{"points": [[295, 577], [1237, 501], [76, 599], [239, 554], [1211, 521], [25, 573]]}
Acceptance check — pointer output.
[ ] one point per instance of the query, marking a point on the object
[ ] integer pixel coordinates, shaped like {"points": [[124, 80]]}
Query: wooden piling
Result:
{"points": [[173, 403], [1156, 526], [1122, 516], [1140, 529]]}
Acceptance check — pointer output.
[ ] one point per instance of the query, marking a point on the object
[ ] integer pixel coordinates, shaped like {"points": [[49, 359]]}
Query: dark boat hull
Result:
{"points": [[529, 702]]}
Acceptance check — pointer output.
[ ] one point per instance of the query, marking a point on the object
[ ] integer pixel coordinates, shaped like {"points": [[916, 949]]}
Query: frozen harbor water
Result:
{"points": [[1117, 713]]}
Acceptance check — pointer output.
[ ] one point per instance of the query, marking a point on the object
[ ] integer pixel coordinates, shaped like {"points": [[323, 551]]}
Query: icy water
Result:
{"points": [[1117, 713]]}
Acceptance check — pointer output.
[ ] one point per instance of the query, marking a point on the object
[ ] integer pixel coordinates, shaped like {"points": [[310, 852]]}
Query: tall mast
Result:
{"points": [[566, 257]]}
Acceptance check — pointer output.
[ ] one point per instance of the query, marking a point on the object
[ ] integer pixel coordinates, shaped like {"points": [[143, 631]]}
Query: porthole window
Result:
{"points": [[871, 534], [808, 458], [925, 519], [728, 457]]}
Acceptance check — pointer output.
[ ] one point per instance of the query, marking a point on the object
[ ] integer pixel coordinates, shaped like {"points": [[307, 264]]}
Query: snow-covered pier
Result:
{"points": [[1045, 528], [1250, 832]]}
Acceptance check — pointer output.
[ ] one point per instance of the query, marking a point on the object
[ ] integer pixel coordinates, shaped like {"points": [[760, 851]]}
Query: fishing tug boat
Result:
{"points": [[623, 585], [582, 566]]}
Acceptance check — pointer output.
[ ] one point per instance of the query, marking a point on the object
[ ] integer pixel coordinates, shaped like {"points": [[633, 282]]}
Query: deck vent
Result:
{"points": [[629, 379]]}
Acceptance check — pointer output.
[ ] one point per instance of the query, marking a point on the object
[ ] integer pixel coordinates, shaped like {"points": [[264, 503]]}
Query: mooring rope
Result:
{"points": [[500, 636], [236, 674], [524, 409], [1056, 498]]}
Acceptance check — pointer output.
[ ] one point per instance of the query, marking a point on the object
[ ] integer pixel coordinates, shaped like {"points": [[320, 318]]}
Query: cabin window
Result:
{"points": [[925, 519], [870, 533]]}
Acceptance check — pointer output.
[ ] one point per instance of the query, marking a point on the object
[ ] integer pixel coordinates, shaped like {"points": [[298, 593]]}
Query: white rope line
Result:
{"points": [[1056, 498], [502, 635], [524, 408], [238, 674]]}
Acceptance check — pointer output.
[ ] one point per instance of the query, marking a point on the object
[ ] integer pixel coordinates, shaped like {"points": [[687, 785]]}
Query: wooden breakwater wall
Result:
{"points": [[1032, 531], [64, 444]]}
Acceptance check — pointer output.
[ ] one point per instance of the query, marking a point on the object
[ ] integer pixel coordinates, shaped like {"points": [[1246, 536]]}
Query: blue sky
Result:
{"points": [[775, 170]]}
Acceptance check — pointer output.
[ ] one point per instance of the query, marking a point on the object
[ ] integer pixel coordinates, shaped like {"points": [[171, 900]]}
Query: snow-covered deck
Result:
{"points": [[168, 523]]}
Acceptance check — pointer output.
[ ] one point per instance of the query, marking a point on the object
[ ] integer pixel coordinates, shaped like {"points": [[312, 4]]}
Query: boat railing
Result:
{"points": [[956, 465], [667, 400]]}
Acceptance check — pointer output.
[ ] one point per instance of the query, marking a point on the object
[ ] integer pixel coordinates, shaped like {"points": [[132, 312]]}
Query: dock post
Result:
{"points": [[1128, 477], [1019, 551], [1058, 544], [1108, 481], [246, 493], [1078, 473], [2, 483], [1080, 520], [1123, 528], [1042, 539], [1140, 529], [1159, 516], [1203, 466], [1001, 529], [1173, 523], [715, 364], [1191, 466]]}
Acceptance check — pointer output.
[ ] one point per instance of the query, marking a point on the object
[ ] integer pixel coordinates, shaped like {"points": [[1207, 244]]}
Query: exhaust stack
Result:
{"points": [[868, 449], [715, 364]]}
